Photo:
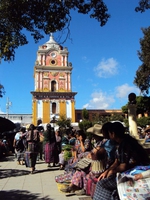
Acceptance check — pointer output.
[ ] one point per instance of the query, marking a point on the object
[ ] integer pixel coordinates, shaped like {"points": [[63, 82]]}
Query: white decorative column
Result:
{"points": [[44, 59], [132, 115]]}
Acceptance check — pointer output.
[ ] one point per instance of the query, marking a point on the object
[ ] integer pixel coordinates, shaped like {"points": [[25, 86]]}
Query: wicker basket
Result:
{"points": [[62, 186]]}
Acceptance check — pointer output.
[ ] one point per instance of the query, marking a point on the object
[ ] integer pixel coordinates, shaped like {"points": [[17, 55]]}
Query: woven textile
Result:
{"points": [[83, 164], [91, 186], [63, 178], [106, 189], [31, 147], [50, 153], [98, 166], [30, 159]]}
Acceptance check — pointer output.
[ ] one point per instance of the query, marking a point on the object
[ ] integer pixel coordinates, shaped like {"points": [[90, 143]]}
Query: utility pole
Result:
{"points": [[8, 104]]}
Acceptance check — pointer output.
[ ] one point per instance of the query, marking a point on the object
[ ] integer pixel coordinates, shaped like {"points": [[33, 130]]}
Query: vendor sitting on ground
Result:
{"points": [[128, 155], [99, 159], [79, 150]]}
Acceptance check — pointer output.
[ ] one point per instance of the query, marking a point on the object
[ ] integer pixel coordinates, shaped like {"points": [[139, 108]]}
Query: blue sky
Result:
{"points": [[104, 61]]}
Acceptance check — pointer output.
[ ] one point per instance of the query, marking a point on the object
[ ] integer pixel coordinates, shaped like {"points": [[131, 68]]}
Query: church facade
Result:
{"points": [[52, 96]]}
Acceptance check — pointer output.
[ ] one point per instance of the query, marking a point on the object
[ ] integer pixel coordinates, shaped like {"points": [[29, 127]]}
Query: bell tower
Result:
{"points": [[52, 95]]}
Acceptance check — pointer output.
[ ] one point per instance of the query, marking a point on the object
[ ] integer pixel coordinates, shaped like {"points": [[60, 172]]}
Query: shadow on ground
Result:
{"points": [[45, 170], [7, 158], [5, 173], [21, 195]]}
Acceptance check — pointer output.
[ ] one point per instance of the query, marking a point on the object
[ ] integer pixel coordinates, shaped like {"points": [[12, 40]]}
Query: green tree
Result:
{"points": [[143, 121], [85, 114], [116, 117], [39, 17], [143, 6], [85, 124], [104, 119], [125, 109], [142, 105], [96, 118], [142, 78], [42, 17], [63, 123]]}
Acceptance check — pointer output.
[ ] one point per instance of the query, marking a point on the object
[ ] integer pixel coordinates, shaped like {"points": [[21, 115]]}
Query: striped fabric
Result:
{"points": [[106, 189], [50, 153], [30, 159]]}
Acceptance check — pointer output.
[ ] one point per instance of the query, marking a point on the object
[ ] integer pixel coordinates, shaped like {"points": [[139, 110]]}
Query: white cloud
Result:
{"points": [[99, 100], [124, 90], [106, 68], [111, 100]]}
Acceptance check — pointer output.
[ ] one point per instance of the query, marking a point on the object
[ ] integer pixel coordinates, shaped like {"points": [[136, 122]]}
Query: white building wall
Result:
{"points": [[40, 109], [23, 119], [68, 107]]}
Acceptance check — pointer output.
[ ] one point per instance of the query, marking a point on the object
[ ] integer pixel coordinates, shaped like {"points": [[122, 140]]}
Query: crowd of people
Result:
{"points": [[97, 155], [94, 171], [144, 133], [35, 143]]}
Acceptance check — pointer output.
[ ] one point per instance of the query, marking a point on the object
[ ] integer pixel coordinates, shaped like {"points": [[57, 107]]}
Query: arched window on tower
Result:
{"points": [[54, 108], [53, 86]]}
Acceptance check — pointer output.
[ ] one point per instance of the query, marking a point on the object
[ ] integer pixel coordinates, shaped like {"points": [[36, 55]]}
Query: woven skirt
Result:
{"points": [[30, 159], [50, 153]]}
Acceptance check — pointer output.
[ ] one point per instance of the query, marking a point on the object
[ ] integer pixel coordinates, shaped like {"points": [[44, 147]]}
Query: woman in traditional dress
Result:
{"points": [[83, 148], [50, 147], [32, 138], [100, 157], [79, 151], [58, 140]]}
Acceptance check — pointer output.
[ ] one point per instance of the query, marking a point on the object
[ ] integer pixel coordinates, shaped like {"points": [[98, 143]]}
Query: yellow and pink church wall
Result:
{"points": [[43, 110], [43, 81], [52, 75]]}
